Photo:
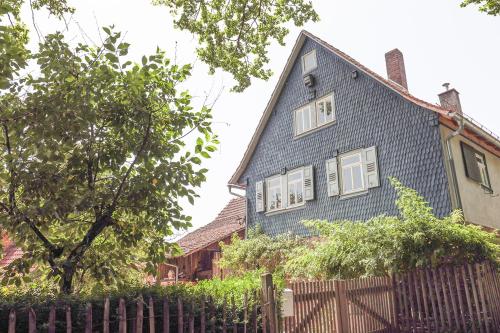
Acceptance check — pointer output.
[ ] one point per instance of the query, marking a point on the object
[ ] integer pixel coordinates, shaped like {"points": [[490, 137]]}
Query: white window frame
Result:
{"points": [[352, 165], [299, 116], [288, 174], [310, 53], [268, 196], [284, 191], [324, 100], [483, 169]]}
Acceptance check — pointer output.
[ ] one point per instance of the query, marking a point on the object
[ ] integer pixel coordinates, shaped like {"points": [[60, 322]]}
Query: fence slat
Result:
{"points": [[394, 304], [52, 319], [105, 319], [460, 297], [166, 316], [467, 296], [425, 300], [474, 294], [122, 314], [69, 326], [180, 316], [88, 319], [481, 298], [139, 314], [151, 314], [31, 321], [12, 321], [456, 318]]}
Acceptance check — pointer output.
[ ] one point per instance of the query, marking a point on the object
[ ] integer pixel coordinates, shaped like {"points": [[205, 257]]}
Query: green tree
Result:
{"points": [[490, 7], [93, 160], [235, 35]]}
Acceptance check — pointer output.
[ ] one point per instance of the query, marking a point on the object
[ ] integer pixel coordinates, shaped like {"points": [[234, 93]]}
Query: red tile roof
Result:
{"points": [[230, 220], [9, 252]]}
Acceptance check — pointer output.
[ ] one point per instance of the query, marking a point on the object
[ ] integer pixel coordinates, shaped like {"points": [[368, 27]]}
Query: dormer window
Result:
{"points": [[309, 62]]}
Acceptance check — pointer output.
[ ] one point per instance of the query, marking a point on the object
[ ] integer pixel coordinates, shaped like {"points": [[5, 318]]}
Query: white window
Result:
{"points": [[304, 119], [485, 181], [274, 201], [309, 62], [295, 188], [288, 190], [324, 110], [314, 115], [352, 174]]}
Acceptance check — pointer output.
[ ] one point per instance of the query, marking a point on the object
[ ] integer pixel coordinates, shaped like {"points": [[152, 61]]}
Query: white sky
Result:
{"points": [[441, 43]]}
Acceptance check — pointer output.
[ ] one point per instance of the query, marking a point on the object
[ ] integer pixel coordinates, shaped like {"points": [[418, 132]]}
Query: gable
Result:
{"points": [[349, 63]]}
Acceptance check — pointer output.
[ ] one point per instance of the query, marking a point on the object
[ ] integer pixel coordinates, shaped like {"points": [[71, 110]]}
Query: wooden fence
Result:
{"points": [[145, 315], [448, 299]]}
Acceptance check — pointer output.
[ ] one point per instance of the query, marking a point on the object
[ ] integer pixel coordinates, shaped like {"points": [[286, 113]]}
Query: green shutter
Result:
{"points": [[470, 162]]}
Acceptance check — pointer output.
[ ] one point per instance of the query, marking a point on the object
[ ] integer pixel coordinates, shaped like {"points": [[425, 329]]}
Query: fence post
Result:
{"points": [[269, 301], [12, 321], [341, 308]]}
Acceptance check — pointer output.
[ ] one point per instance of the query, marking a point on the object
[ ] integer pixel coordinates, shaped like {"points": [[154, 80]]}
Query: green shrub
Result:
{"points": [[385, 244], [258, 252], [215, 292]]}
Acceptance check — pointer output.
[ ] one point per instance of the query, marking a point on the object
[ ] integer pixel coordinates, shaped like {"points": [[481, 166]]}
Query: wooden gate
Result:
{"points": [[449, 299]]}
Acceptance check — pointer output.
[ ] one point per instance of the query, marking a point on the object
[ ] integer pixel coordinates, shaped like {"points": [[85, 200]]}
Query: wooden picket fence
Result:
{"points": [[449, 299], [147, 315]]}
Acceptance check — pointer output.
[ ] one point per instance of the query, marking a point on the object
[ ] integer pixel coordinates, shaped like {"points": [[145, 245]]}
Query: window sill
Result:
{"points": [[319, 128], [353, 195], [284, 210], [486, 189]]}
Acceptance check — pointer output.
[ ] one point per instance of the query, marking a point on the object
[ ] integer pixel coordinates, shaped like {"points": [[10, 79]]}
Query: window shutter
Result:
{"points": [[308, 183], [371, 167], [470, 161], [259, 197], [332, 177]]}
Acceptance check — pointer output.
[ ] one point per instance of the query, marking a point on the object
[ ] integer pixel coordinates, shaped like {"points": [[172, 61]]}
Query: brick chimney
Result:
{"points": [[450, 99], [396, 67]]}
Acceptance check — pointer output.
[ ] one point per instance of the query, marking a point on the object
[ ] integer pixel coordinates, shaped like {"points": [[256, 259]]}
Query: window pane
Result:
{"points": [[309, 61], [329, 110], [295, 188], [346, 179], [307, 118], [321, 113], [351, 159], [357, 177], [299, 123], [274, 193]]}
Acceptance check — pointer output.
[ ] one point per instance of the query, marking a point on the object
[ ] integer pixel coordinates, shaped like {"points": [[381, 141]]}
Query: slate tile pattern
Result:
{"points": [[368, 114], [230, 220]]}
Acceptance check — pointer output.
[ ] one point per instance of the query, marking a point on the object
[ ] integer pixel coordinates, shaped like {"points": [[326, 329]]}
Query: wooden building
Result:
{"points": [[201, 249]]}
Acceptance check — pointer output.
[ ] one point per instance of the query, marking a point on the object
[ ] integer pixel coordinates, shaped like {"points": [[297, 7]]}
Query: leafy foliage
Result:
{"points": [[40, 299], [235, 35], [490, 7], [384, 244], [258, 252], [94, 163]]}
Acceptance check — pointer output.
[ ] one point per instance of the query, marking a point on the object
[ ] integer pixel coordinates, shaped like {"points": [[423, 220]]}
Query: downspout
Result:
{"points": [[451, 163], [230, 188]]}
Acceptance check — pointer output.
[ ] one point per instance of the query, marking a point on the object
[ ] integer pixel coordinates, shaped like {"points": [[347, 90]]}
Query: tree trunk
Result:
{"points": [[67, 278]]}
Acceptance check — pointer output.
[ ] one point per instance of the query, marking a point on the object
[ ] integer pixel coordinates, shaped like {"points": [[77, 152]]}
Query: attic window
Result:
{"points": [[309, 62], [475, 166]]}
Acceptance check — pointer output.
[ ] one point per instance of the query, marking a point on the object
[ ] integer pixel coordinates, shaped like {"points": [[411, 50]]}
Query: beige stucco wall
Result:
{"points": [[479, 206]]}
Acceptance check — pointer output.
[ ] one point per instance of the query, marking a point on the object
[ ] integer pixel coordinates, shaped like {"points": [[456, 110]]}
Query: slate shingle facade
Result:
{"points": [[367, 114]]}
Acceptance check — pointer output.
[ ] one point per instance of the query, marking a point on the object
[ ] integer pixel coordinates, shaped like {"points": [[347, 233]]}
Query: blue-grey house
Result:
{"points": [[334, 131]]}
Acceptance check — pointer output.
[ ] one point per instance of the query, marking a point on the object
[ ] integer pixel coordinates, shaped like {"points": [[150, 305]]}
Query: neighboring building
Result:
{"points": [[201, 248], [334, 131], [9, 251]]}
